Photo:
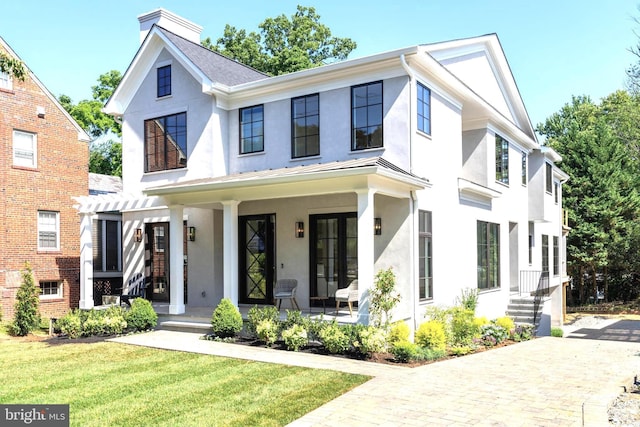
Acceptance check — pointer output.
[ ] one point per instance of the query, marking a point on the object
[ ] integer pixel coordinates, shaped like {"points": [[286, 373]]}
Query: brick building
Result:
{"points": [[44, 162]]}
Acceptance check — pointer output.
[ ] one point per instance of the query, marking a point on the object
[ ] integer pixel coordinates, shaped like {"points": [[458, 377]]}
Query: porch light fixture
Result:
{"points": [[299, 229], [377, 226], [191, 233], [138, 235]]}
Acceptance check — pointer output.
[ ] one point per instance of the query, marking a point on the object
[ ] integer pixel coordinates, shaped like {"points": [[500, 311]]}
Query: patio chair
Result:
{"points": [[286, 289], [137, 289], [348, 295]]}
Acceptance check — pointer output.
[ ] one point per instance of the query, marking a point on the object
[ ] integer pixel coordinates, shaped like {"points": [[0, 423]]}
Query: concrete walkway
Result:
{"points": [[544, 382]]}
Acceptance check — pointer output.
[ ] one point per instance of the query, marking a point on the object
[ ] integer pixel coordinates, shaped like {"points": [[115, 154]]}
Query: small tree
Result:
{"points": [[383, 298], [27, 317]]}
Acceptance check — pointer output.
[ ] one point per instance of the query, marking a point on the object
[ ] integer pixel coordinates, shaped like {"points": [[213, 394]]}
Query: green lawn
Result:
{"points": [[116, 384]]}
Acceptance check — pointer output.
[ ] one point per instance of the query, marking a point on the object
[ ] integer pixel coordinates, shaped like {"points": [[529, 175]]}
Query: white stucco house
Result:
{"points": [[422, 159]]}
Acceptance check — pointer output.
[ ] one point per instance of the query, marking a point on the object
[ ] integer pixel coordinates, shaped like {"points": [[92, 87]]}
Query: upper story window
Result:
{"points": [[165, 143], [524, 168], [502, 160], [25, 149], [252, 129], [366, 116], [48, 231], [424, 109], [305, 126], [549, 177], [488, 242], [556, 256], [164, 81], [107, 244], [556, 190], [425, 255], [5, 81], [545, 253]]}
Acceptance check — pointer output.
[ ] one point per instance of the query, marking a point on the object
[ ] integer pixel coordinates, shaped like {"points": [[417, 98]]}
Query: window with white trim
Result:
{"points": [[6, 82], [424, 109], [425, 254], [25, 149], [107, 244], [488, 244], [51, 289], [48, 231], [502, 160]]}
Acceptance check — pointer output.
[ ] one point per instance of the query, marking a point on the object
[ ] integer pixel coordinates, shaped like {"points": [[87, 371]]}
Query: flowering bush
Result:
{"points": [[267, 331], [256, 315], [371, 340], [295, 337], [334, 339]]}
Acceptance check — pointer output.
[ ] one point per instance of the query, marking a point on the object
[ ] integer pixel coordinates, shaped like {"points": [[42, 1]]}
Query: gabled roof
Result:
{"points": [[82, 135]]}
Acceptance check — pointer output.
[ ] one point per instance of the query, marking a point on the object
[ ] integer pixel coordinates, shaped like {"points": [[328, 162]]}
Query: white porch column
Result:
{"points": [[86, 260], [365, 252], [176, 261], [230, 249]]}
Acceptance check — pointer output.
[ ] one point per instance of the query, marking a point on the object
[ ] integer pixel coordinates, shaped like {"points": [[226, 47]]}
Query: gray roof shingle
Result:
{"points": [[217, 67]]}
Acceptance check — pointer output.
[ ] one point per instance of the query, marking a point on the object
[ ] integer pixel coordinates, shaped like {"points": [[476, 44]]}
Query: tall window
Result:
{"points": [[524, 168], [252, 129], [531, 231], [25, 149], [488, 238], [305, 126], [424, 109], [425, 256], [502, 160], [107, 242], [545, 253], [366, 116], [549, 177], [165, 143], [48, 231], [164, 81], [556, 189], [556, 256], [5, 81], [50, 289]]}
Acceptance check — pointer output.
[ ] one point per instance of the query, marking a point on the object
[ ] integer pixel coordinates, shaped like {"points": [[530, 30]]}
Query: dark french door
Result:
{"points": [[334, 252], [157, 265], [257, 258]]}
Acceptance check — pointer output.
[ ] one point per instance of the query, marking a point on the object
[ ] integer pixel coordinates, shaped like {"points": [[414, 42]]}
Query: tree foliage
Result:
{"points": [[599, 146], [284, 44], [12, 66], [27, 316]]}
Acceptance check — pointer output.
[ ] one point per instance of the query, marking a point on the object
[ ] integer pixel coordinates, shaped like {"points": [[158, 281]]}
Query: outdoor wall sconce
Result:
{"points": [[299, 229], [191, 233], [377, 226], [138, 235]]}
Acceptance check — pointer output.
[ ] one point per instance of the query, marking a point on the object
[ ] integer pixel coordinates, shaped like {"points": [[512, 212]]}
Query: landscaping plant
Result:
{"points": [[492, 334], [267, 331], [371, 340], [431, 334], [468, 299], [383, 298], [226, 320], [334, 339], [141, 316], [295, 337], [27, 317], [506, 322], [257, 314], [557, 332], [398, 332]]}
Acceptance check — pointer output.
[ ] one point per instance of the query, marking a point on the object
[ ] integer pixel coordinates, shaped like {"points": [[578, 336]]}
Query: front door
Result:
{"points": [[257, 258], [334, 253], [157, 261]]}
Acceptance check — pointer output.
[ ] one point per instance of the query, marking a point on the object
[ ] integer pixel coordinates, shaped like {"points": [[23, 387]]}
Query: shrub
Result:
{"points": [[226, 320], [481, 321], [431, 334], [431, 354], [506, 322], [92, 323], [314, 327], [334, 339], [295, 317], [27, 317], [468, 299], [371, 340], [557, 332], [267, 331], [460, 350], [491, 335], [383, 298], [522, 333], [141, 316], [399, 332], [295, 337], [70, 324], [463, 328], [256, 315], [405, 351]]}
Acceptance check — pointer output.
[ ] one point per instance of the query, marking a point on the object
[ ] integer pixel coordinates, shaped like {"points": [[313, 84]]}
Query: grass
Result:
{"points": [[115, 384]]}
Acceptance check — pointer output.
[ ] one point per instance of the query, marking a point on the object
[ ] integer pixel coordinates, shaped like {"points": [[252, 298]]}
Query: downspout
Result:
{"points": [[412, 122]]}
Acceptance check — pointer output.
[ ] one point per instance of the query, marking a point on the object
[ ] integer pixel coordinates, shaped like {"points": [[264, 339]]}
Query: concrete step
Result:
{"points": [[181, 323]]}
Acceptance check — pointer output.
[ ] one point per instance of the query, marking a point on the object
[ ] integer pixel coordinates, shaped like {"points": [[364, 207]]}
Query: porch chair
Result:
{"points": [[348, 295], [286, 289], [136, 289]]}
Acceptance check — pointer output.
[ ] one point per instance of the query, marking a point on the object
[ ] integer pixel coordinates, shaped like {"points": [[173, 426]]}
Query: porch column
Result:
{"points": [[230, 249], [176, 260], [86, 260], [365, 252]]}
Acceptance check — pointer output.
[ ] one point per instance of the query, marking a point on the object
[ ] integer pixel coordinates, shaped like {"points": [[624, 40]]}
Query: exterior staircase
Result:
{"points": [[522, 310], [182, 323]]}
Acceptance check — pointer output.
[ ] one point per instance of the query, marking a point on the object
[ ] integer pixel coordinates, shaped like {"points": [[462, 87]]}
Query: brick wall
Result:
{"points": [[61, 172]]}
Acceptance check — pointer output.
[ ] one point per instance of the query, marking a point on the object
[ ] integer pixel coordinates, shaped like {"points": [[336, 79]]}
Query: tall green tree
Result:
{"points": [[27, 316], [284, 44], [105, 155]]}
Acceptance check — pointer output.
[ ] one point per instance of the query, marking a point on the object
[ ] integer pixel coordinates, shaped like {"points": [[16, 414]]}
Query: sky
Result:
{"points": [[556, 48]]}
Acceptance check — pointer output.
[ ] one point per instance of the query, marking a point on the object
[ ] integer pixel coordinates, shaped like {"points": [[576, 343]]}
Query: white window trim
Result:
{"points": [[6, 82], [57, 248], [59, 295], [22, 163]]}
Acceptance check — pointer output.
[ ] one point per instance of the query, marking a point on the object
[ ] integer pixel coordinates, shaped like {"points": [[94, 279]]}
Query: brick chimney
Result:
{"points": [[169, 21]]}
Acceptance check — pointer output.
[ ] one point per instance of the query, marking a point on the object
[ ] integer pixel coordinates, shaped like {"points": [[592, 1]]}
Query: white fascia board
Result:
{"points": [[550, 154], [526, 144]]}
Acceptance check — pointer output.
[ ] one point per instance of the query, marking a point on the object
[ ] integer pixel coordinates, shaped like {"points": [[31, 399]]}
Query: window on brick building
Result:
{"points": [[51, 289], [6, 81], [25, 149], [48, 231]]}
